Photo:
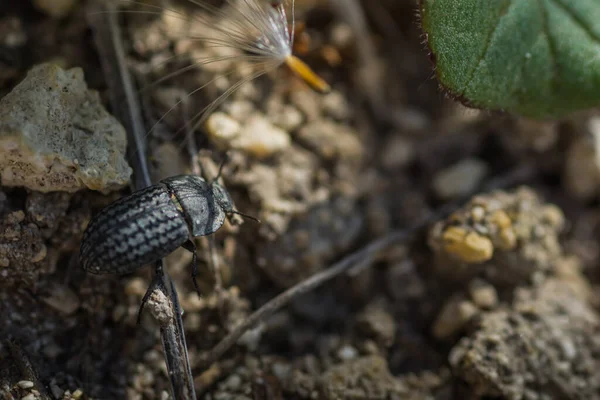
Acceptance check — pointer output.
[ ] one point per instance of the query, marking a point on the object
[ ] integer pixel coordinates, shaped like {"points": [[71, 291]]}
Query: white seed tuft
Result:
{"points": [[254, 34]]}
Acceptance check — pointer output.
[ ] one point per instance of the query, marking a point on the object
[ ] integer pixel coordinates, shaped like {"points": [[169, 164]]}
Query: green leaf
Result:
{"points": [[537, 58]]}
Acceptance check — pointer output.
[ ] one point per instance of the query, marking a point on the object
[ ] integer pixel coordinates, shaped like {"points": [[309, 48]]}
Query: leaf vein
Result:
{"points": [[577, 20], [486, 49], [551, 44]]}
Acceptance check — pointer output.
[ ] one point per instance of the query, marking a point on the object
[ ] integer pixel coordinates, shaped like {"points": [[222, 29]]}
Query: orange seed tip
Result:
{"points": [[308, 75]]}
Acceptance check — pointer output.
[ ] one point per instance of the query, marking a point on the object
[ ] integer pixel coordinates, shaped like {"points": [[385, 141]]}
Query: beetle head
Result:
{"points": [[222, 198], [224, 201]]}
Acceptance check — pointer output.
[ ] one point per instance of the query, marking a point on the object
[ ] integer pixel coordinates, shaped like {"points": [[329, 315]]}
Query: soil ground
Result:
{"points": [[497, 301]]}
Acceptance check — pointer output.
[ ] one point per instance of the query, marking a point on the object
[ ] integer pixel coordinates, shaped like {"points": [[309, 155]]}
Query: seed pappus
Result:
{"points": [[255, 33]]}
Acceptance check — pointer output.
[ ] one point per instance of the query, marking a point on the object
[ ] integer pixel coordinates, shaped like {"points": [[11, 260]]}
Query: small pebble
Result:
{"points": [[25, 384], [453, 317], [460, 179], [286, 117], [483, 294], [62, 299], [336, 106], [469, 247], [347, 353], [398, 152], [240, 110], [581, 175], [257, 136], [233, 382]]}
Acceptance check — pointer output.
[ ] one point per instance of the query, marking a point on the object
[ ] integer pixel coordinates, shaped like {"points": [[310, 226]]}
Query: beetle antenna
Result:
{"points": [[246, 216]]}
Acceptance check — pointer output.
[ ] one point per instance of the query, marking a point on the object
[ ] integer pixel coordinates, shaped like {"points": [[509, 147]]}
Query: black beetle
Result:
{"points": [[151, 223]]}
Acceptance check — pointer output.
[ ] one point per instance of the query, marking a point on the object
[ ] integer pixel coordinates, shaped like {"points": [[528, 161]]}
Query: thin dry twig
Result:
{"points": [[26, 367], [108, 42], [363, 256]]}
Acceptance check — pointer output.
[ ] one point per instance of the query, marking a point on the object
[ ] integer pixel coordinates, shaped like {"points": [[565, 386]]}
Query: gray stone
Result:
{"points": [[55, 135]]}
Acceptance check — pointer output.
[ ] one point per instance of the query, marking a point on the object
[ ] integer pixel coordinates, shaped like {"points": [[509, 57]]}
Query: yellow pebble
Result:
{"points": [[501, 219], [469, 247]]}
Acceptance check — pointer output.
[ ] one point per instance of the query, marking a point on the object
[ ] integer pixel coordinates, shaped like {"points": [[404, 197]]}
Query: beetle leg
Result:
{"points": [[190, 246], [156, 283]]}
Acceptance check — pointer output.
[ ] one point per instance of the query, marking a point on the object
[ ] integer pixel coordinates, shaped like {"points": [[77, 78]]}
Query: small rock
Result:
{"points": [[332, 140], [307, 103], [25, 384], [30, 396], [453, 317], [470, 247], [549, 335], [483, 294], [460, 179], [55, 135], [55, 8], [347, 353], [57, 391], [256, 136], [233, 382], [240, 110], [12, 33], [342, 35], [397, 152], [378, 324], [582, 166], [285, 116], [506, 237], [62, 299], [361, 379], [336, 106]]}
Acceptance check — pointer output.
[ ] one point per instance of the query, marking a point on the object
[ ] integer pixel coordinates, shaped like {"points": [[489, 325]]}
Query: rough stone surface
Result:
{"points": [[546, 347], [364, 378], [21, 247], [32, 239], [504, 236], [368, 378], [56, 136]]}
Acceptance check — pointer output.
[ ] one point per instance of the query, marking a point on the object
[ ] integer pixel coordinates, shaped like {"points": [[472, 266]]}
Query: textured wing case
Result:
{"points": [[133, 231], [196, 197]]}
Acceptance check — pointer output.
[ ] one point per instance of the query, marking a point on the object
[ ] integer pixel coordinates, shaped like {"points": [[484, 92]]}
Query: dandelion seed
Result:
{"points": [[255, 35]]}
